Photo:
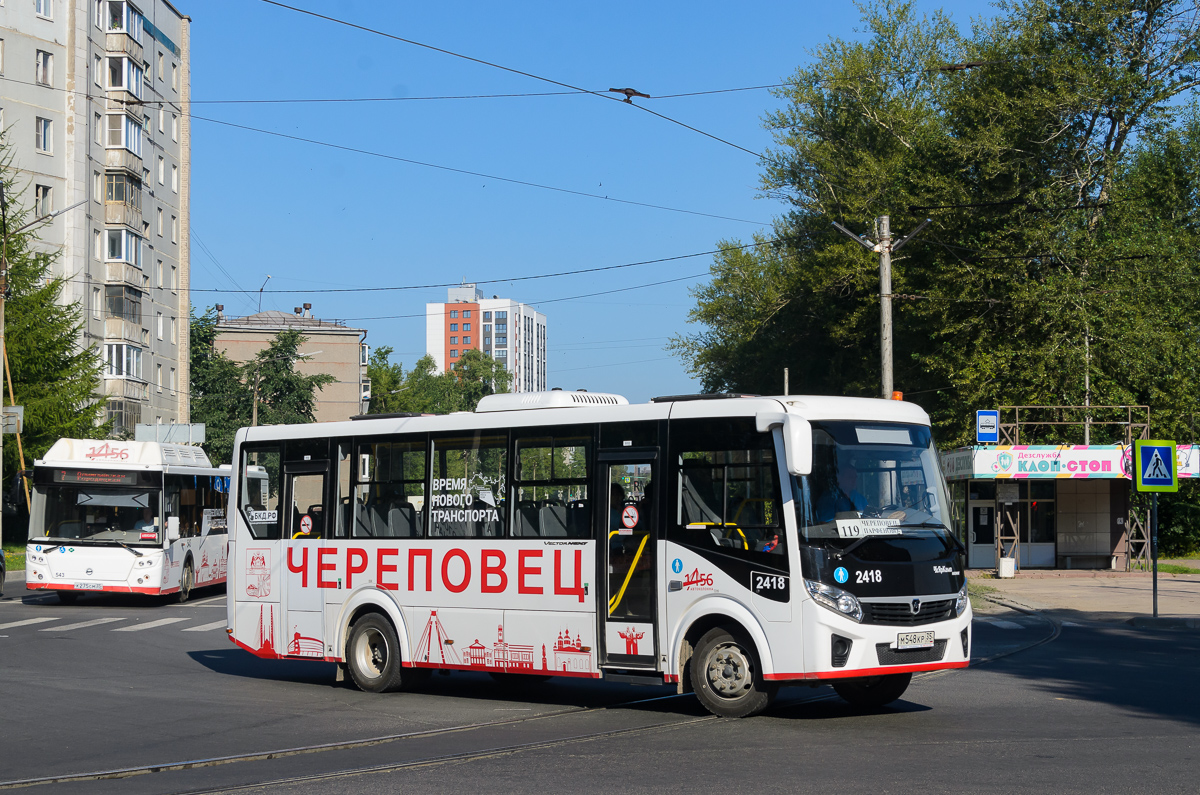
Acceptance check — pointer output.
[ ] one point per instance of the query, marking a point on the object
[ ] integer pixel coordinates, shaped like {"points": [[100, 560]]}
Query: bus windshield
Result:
{"points": [[876, 489], [96, 514]]}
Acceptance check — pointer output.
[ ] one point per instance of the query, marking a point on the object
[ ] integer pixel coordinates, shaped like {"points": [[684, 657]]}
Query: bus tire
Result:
{"points": [[373, 656], [187, 579], [727, 677], [67, 597], [873, 691]]}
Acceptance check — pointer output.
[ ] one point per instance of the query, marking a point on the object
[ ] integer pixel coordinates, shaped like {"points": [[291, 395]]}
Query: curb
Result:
{"points": [[1149, 622], [1055, 630], [15, 576]]}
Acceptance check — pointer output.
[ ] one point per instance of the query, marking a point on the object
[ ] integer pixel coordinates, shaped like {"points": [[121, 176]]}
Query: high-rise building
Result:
{"points": [[512, 333], [92, 103]]}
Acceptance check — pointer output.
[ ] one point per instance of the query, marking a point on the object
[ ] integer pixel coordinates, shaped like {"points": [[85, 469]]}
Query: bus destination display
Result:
{"points": [[96, 477]]}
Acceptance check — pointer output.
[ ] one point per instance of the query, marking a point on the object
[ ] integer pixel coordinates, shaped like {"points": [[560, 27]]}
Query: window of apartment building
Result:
{"points": [[160, 222], [98, 71], [159, 319], [174, 229], [172, 381], [123, 246], [98, 244], [123, 361], [501, 316], [43, 200], [454, 340], [42, 135], [175, 76], [96, 303], [175, 178], [145, 230], [501, 354], [98, 17], [172, 284], [453, 354], [466, 340], [159, 274], [466, 326], [124, 75], [97, 186], [123, 189], [123, 302], [453, 313], [162, 170], [487, 315], [174, 127], [43, 68], [160, 65], [44, 8], [466, 313], [158, 376], [162, 120], [123, 133], [98, 129], [171, 332], [501, 342], [454, 327], [124, 18], [1, 56]]}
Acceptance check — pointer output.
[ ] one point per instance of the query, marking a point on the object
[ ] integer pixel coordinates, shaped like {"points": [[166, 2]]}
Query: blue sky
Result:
{"points": [[318, 219]]}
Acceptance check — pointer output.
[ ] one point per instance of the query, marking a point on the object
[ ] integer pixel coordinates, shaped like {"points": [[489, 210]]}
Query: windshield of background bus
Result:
{"points": [[884, 472], [90, 513]]}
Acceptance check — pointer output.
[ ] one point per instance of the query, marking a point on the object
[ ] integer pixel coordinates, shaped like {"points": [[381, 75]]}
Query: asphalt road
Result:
{"points": [[122, 683]]}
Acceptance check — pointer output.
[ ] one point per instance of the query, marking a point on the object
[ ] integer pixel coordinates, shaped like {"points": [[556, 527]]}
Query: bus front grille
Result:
{"points": [[889, 656], [901, 614]]}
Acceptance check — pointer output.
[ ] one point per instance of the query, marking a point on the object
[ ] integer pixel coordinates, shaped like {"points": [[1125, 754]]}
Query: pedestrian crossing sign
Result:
{"points": [[1154, 465]]}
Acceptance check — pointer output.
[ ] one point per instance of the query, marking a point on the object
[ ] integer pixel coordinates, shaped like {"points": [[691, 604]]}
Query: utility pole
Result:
{"points": [[884, 249], [258, 377]]}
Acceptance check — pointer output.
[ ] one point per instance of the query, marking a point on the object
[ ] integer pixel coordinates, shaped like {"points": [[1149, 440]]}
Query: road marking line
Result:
{"points": [[29, 621], [1002, 624], [206, 627], [94, 622], [202, 601], [149, 625]]}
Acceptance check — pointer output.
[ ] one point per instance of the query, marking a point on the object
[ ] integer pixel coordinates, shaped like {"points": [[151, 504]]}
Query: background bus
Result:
{"points": [[725, 545], [126, 517]]}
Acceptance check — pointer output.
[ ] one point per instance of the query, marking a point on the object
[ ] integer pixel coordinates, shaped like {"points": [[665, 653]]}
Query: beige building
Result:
{"points": [[91, 105], [335, 349]]}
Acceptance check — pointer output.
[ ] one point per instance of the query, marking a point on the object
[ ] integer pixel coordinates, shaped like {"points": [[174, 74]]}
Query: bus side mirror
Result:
{"points": [[797, 442], [172, 528]]}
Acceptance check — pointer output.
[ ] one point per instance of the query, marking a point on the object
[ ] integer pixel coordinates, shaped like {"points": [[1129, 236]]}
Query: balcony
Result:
{"points": [[124, 273], [123, 213], [117, 328], [117, 43], [121, 100], [123, 159], [129, 388]]}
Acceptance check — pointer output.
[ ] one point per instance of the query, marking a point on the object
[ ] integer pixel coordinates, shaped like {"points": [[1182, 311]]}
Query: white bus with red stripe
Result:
{"points": [[728, 544], [126, 517]]}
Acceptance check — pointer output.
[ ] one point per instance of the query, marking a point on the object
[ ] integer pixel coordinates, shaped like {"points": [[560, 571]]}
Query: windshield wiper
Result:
{"points": [[51, 549], [126, 546]]}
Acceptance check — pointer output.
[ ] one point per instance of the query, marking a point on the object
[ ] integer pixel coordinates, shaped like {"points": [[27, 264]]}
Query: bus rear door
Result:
{"points": [[304, 524], [630, 554]]}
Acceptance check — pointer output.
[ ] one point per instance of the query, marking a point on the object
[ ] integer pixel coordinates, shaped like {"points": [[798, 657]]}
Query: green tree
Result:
{"points": [[284, 395], [54, 377], [423, 390], [220, 398]]}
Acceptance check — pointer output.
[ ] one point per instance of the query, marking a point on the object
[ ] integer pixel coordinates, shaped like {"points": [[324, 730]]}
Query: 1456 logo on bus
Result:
{"points": [[698, 580], [107, 452]]}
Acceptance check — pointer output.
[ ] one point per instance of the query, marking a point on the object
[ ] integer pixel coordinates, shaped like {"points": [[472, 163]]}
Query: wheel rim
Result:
{"points": [[729, 672], [371, 653]]}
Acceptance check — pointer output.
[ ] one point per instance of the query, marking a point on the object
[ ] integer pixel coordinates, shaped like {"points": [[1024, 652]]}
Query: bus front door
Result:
{"points": [[631, 554], [304, 525]]}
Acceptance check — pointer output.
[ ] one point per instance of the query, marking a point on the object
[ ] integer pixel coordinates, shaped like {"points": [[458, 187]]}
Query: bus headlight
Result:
{"points": [[960, 604], [835, 599]]}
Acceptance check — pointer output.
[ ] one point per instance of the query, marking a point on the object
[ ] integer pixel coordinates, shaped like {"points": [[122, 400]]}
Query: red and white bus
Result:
{"points": [[729, 545], [126, 517]]}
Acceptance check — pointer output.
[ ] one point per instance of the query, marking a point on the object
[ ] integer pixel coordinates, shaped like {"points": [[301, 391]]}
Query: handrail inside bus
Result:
{"points": [[616, 600]]}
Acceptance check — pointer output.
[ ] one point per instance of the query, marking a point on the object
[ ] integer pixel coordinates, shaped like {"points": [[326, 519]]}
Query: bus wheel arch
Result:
{"points": [[374, 651], [726, 673], [709, 614]]}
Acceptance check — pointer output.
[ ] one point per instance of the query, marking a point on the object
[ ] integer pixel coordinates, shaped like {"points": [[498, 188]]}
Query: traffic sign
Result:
{"points": [[987, 427], [1154, 465]]}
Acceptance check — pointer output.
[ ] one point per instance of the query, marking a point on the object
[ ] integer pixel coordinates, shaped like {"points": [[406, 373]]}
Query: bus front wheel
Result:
{"points": [[873, 691], [727, 677], [186, 581], [373, 656]]}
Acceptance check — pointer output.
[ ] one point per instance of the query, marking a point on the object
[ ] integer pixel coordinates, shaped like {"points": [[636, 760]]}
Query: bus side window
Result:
{"points": [[469, 477], [258, 491], [727, 488], [551, 486], [389, 497]]}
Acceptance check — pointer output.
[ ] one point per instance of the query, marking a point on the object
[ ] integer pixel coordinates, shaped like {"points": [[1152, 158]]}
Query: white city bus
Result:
{"points": [[126, 517], [729, 546]]}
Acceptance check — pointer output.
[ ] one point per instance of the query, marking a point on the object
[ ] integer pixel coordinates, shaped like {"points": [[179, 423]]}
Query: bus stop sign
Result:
{"points": [[1154, 465], [987, 427]]}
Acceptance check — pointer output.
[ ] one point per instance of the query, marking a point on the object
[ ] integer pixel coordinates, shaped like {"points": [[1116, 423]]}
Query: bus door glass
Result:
{"points": [[631, 559], [304, 524]]}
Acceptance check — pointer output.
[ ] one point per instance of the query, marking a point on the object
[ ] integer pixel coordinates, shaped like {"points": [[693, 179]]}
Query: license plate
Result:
{"points": [[914, 640], [88, 586]]}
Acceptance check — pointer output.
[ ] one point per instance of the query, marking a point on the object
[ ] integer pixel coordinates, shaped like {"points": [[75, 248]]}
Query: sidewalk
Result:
{"points": [[1104, 596]]}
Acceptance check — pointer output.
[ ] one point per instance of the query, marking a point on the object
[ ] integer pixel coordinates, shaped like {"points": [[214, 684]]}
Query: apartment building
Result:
{"points": [[91, 99], [512, 333], [329, 347]]}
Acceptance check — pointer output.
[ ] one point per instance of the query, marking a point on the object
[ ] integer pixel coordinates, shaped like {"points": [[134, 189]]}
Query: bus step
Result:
{"points": [[632, 678]]}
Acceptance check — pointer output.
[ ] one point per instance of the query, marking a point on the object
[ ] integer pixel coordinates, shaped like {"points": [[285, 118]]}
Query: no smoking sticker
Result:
{"points": [[629, 516], [306, 524]]}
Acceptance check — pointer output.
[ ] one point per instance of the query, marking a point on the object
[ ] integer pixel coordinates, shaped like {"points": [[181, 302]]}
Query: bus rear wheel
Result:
{"points": [[873, 691], [373, 656], [727, 677]]}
